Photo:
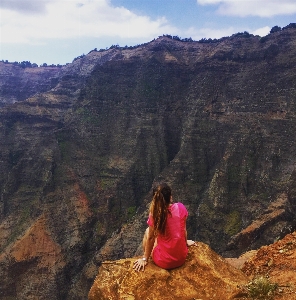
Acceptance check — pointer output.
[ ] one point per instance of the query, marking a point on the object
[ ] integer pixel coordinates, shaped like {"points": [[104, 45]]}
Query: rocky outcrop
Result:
{"points": [[205, 275], [275, 262], [278, 262]]}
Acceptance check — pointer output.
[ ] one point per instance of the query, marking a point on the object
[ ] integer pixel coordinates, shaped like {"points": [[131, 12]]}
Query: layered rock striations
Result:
{"points": [[17, 83], [77, 161]]}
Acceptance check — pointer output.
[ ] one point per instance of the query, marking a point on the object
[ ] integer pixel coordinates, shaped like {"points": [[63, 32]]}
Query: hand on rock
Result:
{"points": [[139, 264], [191, 243]]}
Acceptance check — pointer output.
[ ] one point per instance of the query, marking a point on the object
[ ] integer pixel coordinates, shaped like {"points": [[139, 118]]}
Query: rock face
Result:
{"points": [[18, 84], [31, 263], [278, 261], [205, 275], [275, 213], [79, 156]]}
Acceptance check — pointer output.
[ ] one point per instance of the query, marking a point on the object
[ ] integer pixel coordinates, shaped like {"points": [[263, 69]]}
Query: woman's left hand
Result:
{"points": [[139, 264], [191, 243]]}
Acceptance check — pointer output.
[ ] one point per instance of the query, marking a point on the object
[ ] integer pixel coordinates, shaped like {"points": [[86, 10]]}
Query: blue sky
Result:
{"points": [[57, 31]]}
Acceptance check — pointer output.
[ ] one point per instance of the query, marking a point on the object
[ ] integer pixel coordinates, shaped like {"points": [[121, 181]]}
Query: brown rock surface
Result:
{"points": [[205, 275], [37, 243], [31, 264], [278, 262]]}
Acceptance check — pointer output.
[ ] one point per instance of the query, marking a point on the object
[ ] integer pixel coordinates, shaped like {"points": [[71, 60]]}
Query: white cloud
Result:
{"points": [[207, 32], [197, 34], [25, 6], [261, 31], [72, 19], [261, 8]]}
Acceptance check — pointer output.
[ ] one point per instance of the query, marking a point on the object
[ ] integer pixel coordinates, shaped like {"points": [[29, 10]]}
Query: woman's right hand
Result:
{"points": [[139, 264]]}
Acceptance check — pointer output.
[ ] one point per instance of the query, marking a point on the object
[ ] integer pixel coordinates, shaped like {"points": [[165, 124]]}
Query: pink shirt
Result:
{"points": [[171, 249]]}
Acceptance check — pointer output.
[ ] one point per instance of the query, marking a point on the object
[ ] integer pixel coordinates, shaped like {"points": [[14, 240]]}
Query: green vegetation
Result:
{"points": [[261, 288], [64, 148], [87, 116], [106, 181], [233, 223], [131, 211], [21, 224], [64, 145], [59, 174], [234, 179], [28, 64], [99, 229]]}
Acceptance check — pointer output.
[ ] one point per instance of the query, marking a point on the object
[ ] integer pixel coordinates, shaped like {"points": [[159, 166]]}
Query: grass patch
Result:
{"points": [[131, 211], [233, 223], [105, 182], [261, 288]]}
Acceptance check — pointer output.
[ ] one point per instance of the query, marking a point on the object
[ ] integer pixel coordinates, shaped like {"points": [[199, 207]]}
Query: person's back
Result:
{"points": [[171, 249], [166, 237]]}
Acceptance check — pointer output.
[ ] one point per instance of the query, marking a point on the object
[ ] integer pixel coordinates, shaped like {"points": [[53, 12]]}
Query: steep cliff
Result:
{"points": [[17, 83], [205, 275], [77, 162]]}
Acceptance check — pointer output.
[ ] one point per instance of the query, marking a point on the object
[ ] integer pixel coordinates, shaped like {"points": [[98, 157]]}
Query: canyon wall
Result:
{"points": [[215, 120]]}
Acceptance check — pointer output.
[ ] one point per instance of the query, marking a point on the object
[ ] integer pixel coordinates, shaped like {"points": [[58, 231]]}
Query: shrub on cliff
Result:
{"points": [[275, 29], [261, 288], [291, 25]]}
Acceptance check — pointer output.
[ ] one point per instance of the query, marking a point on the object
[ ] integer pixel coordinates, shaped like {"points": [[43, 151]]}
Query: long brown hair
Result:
{"points": [[159, 207]]}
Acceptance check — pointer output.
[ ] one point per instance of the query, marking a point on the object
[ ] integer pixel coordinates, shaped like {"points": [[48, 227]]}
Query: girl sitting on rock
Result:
{"points": [[166, 237]]}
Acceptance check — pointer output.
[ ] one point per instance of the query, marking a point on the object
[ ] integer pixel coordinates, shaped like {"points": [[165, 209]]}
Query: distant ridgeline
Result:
{"points": [[28, 64]]}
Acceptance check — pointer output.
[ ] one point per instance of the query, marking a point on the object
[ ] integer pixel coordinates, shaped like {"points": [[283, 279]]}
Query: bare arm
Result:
{"points": [[149, 243], [140, 263], [188, 242]]}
